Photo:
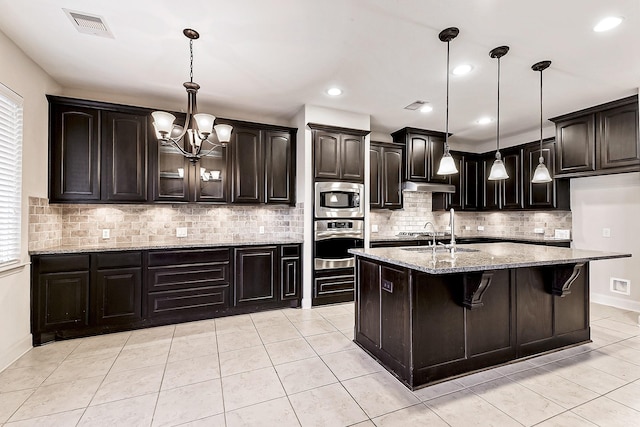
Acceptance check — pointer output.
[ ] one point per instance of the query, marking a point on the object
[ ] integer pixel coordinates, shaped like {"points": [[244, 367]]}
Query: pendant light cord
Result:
{"points": [[446, 135], [498, 118], [540, 113]]}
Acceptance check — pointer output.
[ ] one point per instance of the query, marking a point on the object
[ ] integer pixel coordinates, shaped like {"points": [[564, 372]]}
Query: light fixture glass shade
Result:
{"points": [[447, 165], [223, 132], [541, 174], [163, 122], [205, 123], [498, 171]]}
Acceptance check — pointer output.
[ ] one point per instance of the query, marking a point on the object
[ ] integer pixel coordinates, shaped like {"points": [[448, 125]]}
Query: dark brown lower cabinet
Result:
{"points": [[118, 288], [255, 275], [425, 328], [187, 283], [333, 286], [86, 294]]}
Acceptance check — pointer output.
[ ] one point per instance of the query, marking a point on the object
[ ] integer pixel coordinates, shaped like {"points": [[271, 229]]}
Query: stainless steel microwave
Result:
{"points": [[339, 200]]}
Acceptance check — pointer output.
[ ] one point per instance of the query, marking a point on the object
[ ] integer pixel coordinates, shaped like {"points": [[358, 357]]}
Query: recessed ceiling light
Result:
{"points": [[484, 120], [608, 23], [426, 108], [334, 91], [462, 69]]}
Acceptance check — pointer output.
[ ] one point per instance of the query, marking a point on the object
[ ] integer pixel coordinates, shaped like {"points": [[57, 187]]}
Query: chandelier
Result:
{"points": [[197, 126]]}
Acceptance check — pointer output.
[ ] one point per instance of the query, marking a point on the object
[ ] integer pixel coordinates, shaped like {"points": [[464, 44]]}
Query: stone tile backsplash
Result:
{"points": [[82, 224], [417, 211]]}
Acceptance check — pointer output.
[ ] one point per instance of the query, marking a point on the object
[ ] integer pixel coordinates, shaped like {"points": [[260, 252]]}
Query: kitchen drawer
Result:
{"points": [[187, 276], [188, 256], [188, 303], [61, 263], [105, 260]]}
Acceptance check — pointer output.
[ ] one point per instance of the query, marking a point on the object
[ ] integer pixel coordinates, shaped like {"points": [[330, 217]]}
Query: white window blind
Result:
{"points": [[10, 175]]}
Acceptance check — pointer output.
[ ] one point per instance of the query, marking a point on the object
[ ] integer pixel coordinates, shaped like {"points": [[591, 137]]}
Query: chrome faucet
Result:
{"points": [[433, 235], [452, 223]]}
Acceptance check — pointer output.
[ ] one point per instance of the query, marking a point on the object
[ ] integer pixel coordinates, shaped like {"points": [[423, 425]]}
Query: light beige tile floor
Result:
{"points": [[299, 367]]}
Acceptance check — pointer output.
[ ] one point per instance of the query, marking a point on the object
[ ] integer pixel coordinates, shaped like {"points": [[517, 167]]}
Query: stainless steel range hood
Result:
{"points": [[428, 187]]}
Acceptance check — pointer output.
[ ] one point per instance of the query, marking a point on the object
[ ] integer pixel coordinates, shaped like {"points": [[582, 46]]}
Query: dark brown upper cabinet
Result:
{"points": [[247, 151], [467, 183], [262, 164], [124, 157], [491, 190], [385, 176], [108, 153], [512, 191], [97, 154], [554, 194], [423, 151], [338, 153], [74, 147], [598, 140]]}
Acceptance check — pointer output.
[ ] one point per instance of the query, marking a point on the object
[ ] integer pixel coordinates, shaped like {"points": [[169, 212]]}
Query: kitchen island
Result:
{"points": [[428, 316]]}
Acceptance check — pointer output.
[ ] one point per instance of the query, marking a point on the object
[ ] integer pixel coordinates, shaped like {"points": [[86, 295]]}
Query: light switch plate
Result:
{"points": [[606, 232], [181, 232], [481, 228], [106, 233], [538, 230], [562, 234], [374, 228]]}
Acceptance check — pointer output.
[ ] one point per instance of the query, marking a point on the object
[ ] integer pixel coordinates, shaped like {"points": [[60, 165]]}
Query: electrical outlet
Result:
{"points": [[481, 228], [538, 230], [560, 233], [467, 228], [181, 232], [374, 228], [106, 233], [261, 230], [606, 232]]}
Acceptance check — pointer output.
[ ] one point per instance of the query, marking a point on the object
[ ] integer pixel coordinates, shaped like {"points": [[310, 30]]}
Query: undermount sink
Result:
{"points": [[438, 249]]}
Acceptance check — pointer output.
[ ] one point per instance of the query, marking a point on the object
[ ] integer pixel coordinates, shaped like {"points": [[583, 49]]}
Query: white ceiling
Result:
{"points": [[270, 57]]}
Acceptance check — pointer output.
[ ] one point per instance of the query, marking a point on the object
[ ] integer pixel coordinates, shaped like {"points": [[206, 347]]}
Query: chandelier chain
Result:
{"points": [[191, 59]]}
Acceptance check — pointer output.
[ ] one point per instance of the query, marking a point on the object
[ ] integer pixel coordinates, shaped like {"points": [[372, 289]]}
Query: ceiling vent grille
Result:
{"points": [[415, 105], [89, 24]]}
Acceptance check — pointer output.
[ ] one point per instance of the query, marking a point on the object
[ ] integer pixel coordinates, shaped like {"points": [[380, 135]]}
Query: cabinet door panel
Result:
{"points": [[326, 154], [212, 185], [492, 189], [279, 164], [352, 158], [392, 178], [535, 306], [456, 200], [471, 178], [119, 295], [395, 314], [540, 195], [75, 151], [368, 301], [64, 300], [417, 157], [248, 166], [376, 175], [575, 151], [124, 157], [618, 137], [436, 150], [512, 187], [255, 275]]}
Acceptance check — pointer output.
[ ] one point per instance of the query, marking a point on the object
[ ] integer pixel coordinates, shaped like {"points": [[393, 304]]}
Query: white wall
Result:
{"points": [[610, 201], [28, 80]]}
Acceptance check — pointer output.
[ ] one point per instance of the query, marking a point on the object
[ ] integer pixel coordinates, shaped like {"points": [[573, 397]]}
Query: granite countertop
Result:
{"points": [[481, 257], [178, 244], [530, 238]]}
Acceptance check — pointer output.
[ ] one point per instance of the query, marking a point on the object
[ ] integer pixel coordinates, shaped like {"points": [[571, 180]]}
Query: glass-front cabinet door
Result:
{"points": [[211, 176], [172, 180]]}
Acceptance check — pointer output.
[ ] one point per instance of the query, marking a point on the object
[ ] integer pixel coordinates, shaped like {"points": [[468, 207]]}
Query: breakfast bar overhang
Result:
{"points": [[429, 315]]}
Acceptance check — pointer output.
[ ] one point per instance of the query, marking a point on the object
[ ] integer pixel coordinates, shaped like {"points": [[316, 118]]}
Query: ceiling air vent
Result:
{"points": [[415, 105], [89, 24]]}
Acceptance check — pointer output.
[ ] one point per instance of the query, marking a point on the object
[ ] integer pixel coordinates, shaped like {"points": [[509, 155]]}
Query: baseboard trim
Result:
{"points": [[15, 351], [622, 303]]}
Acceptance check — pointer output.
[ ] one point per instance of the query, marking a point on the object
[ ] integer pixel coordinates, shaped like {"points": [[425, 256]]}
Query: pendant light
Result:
{"points": [[541, 174], [498, 172], [447, 164]]}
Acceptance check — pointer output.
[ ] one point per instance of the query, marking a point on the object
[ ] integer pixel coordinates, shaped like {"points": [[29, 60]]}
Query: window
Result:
{"points": [[10, 175]]}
